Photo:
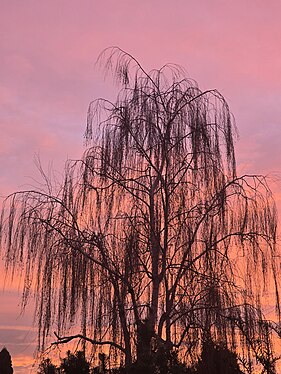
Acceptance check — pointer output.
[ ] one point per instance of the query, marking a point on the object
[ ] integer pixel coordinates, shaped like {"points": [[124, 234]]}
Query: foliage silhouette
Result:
{"points": [[152, 241], [75, 363], [5, 362], [47, 367], [216, 359]]}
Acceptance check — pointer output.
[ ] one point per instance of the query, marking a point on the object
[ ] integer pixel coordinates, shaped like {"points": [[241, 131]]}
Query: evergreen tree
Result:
{"points": [[5, 362], [217, 359], [47, 367], [75, 363]]}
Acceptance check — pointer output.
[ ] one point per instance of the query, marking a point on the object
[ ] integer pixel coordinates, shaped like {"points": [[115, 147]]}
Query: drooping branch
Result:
{"points": [[152, 234], [67, 339]]}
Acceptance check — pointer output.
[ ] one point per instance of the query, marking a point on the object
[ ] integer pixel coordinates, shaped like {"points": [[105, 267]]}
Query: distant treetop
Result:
{"points": [[5, 362]]}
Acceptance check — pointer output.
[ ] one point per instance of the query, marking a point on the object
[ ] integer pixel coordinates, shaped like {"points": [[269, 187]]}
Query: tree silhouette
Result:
{"points": [[47, 367], [153, 241], [75, 363], [5, 362], [216, 359]]}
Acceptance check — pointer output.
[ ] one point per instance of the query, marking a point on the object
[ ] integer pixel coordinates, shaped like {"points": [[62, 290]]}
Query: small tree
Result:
{"points": [[75, 363], [5, 362], [153, 241], [47, 367], [217, 359]]}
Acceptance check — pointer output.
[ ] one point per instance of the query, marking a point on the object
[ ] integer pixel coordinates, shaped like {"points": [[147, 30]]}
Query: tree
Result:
{"points": [[5, 362], [152, 241], [75, 363], [216, 359], [47, 367]]}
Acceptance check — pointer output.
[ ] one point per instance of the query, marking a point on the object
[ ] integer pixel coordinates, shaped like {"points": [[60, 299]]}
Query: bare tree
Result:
{"points": [[153, 241]]}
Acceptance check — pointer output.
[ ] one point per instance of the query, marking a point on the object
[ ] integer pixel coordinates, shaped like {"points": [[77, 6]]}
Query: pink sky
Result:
{"points": [[47, 79]]}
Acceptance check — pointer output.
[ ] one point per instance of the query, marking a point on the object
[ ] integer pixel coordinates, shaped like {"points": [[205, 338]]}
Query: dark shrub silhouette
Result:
{"points": [[5, 362], [162, 361], [75, 363], [46, 367], [217, 359]]}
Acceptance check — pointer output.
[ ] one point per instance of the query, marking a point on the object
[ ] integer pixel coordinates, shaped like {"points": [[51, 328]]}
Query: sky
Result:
{"points": [[48, 78]]}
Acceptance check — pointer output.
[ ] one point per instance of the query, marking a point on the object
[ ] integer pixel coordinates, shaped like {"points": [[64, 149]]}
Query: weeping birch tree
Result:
{"points": [[153, 243]]}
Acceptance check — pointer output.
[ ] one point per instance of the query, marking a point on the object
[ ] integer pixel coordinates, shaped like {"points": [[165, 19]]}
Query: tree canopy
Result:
{"points": [[5, 362], [152, 242]]}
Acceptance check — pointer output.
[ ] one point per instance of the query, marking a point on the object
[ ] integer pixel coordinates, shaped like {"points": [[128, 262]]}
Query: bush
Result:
{"points": [[46, 367], [217, 359], [75, 363]]}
